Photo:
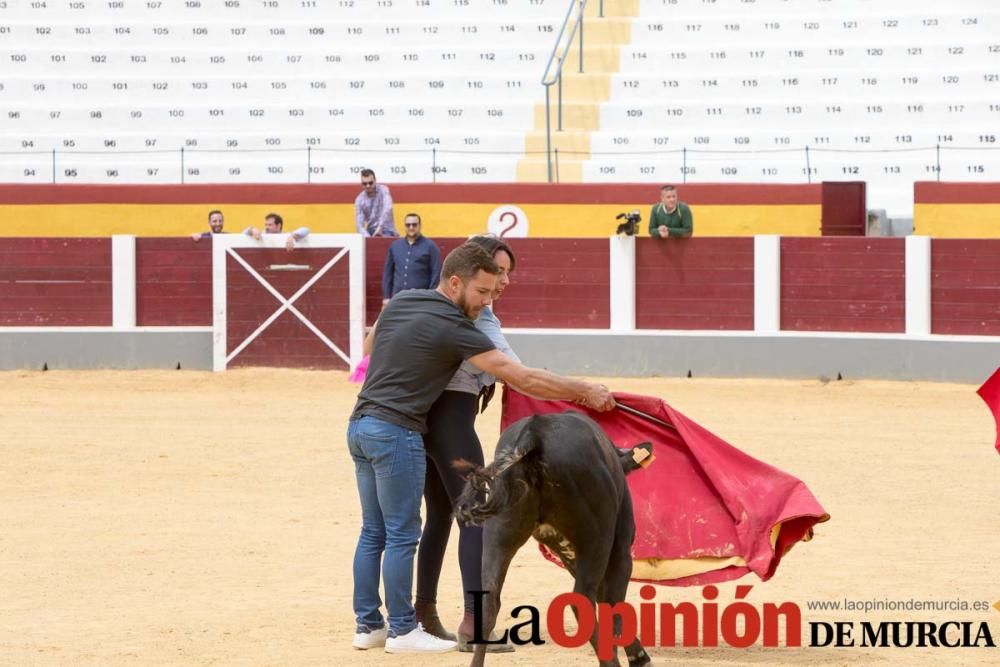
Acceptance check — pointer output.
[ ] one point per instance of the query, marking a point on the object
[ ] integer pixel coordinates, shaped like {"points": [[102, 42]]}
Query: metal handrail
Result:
{"points": [[559, 53]]}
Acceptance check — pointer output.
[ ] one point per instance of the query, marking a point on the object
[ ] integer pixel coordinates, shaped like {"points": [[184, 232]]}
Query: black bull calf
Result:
{"points": [[559, 479]]}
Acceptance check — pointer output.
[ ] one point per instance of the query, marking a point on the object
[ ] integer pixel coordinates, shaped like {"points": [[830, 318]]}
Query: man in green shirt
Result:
{"points": [[670, 218]]}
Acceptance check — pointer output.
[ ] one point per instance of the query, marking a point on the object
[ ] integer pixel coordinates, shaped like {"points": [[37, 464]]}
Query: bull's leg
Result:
{"points": [[591, 564], [619, 571], [503, 535]]}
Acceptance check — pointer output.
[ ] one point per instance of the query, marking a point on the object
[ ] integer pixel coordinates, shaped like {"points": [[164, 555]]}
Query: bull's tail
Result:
{"points": [[488, 490]]}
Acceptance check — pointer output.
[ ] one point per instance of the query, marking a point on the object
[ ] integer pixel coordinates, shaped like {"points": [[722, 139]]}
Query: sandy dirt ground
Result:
{"points": [[187, 518]]}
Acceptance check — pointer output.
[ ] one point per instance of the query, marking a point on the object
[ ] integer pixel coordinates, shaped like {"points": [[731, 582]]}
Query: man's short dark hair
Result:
{"points": [[493, 245], [367, 172], [277, 219], [413, 215], [466, 261], [211, 213], [668, 187]]}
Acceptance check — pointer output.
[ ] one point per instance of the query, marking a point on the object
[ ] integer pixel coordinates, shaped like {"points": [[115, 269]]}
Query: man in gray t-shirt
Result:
{"points": [[421, 336], [418, 343]]}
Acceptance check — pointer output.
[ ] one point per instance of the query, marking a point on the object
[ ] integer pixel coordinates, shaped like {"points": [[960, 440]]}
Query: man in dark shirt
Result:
{"points": [[215, 224], [419, 342], [413, 262]]}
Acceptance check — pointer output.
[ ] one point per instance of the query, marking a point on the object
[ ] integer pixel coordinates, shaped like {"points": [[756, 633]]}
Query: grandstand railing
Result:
{"points": [[941, 162], [558, 56]]}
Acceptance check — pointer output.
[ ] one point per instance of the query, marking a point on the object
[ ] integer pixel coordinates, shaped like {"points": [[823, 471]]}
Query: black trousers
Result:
{"points": [[451, 435]]}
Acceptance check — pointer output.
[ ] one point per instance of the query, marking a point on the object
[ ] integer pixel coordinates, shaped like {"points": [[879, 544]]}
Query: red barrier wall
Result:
{"points": [[375, 250], [173, 282], [965, 286], [694, 283], [557, 283], [827, 284], [937, 192], [287, 341], [55, 282], [843, 284]]}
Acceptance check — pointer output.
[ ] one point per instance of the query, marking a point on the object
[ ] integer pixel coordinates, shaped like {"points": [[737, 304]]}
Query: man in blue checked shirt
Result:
{"points": [[413, 262]]}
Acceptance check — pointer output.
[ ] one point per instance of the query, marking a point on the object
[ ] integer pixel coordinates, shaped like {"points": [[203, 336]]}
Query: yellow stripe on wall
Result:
{"points": [[166, 219], [957, 220], [442, 220]]}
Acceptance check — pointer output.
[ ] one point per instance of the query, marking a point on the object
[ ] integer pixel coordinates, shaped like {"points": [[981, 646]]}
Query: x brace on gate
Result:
{"points": [[287, 304]]}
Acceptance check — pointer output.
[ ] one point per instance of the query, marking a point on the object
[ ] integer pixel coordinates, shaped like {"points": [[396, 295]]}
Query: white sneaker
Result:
{"points": [[418, 641], [370, 639]]}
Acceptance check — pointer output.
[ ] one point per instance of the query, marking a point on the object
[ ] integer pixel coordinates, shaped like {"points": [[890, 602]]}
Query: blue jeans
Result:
{"points": [[389, 463]]}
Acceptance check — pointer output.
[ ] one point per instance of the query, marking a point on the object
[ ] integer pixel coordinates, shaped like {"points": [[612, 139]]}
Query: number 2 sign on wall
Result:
{"points": [[508, 221]]}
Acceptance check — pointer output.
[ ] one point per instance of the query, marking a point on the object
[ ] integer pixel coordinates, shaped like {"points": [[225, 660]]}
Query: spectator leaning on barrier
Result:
{"points": [[273, 224], [215, 223], [670, 218], [413, 262], [373, 208]]}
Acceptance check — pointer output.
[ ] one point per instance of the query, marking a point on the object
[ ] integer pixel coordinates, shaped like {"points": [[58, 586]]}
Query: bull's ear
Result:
{"points": [[636, 457], [642, 454]]}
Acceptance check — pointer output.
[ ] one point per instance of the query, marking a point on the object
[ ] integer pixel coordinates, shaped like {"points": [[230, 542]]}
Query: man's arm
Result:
{"points": [[543, 384], [652, 223], [298, 235], [388, 269], [366, 347], [435, 265], [687, 223], [359, 220], [386, 213]]}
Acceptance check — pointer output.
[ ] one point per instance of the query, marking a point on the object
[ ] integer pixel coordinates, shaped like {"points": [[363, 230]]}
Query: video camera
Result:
{"points": [[631, 225]]}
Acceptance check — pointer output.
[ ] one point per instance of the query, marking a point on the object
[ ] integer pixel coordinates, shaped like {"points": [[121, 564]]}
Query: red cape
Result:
{"points": [[990, 392], [705, 512]]}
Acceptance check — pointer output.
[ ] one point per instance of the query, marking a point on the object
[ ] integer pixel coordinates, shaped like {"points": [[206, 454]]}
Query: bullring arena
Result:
{"points": [[189, 518], [175, 486]]}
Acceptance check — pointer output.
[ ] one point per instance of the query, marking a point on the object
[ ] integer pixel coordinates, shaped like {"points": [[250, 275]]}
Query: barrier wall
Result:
{"points": [[956, 210], [288, 340], [549, 211], [826, 284], [173, 282], [965, 286], [710, 301], [55, 282], [843, 284], [694, 284]]}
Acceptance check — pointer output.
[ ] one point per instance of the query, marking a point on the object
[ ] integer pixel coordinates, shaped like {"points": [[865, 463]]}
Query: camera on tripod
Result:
{"points": [[631, 225]]}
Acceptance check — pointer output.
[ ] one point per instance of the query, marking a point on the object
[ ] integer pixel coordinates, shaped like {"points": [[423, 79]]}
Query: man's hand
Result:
{"points": [[663, 231], [196, 237], [599, 398], [290, 243], [255, 233], [385, 302]]}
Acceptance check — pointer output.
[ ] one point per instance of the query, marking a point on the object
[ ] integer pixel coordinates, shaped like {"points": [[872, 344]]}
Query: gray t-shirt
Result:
{"points": [[421, 339], [470, 379]]}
